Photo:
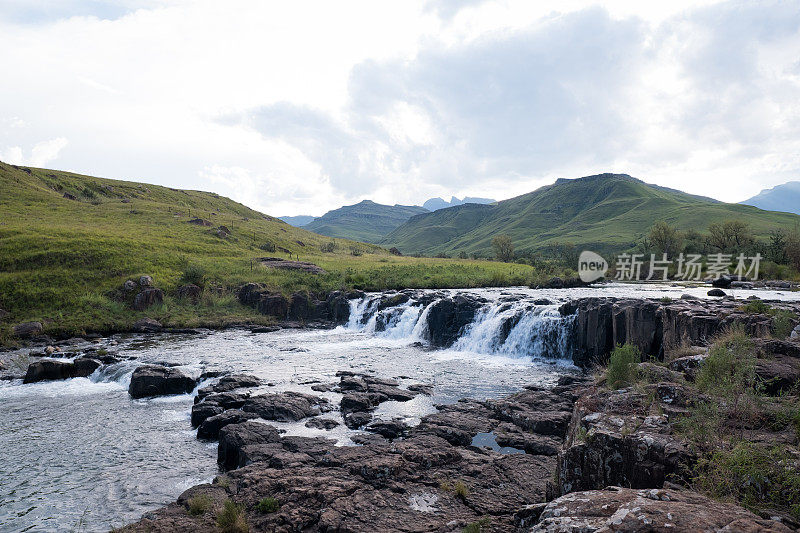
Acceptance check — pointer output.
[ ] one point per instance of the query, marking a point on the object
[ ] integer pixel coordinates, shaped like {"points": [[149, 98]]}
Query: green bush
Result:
{"points": [[268, 505], [783, 323], [755, 307], [231, 519], [199, 504], [760, 478], [268, 247], [477, 526], [622, 366], [329, 247], [194, 274], [730, 368]]}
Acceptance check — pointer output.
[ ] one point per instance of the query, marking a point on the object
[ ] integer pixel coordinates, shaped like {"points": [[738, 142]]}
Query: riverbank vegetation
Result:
{"points": [[740, 426]]}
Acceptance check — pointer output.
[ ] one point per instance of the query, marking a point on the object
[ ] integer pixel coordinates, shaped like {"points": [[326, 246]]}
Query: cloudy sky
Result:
{"points": [[299, 107]]}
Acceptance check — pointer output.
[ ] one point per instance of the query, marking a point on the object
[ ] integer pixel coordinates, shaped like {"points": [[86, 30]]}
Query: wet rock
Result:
{"points": [[159, 381], [190, 291], [203, 411], [147, 325], [361, 401], [148, 298], [52, 369], [448, 317], [229, 383], [421, 388], [338, 307], [285, 406], [357, 419], [322, 423], [28, 329], [722, 282], [716, 292], [630, 510], [265, 329], [211, 426], [390, 429]]}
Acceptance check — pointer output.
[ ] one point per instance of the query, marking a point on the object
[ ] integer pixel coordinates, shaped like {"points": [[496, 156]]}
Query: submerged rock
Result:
{"points": [[52, 369], [159, 381]]}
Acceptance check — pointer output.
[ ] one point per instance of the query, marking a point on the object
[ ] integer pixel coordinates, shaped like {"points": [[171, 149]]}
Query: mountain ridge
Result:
{"points": [[784, 197]]}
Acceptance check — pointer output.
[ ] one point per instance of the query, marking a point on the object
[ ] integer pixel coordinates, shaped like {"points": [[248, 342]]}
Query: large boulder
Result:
{"points": [[53, 369], [273, 305], [147, 325], [448, 317], [211, 426], [234, 438], [153, 380], [148, 298], [28, 329], [629, 510], [299, 306]]}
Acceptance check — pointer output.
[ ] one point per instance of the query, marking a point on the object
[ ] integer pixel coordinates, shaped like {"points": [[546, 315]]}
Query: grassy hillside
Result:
{"points": [[59, 257], [365, 221], [607, 212]]}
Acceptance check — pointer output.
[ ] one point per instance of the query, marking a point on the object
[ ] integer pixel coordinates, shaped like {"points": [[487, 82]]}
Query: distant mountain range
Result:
{"points": [[784, 197], [434, 204], [369, 221], [297, 221], [365, 221], [605, 212]]}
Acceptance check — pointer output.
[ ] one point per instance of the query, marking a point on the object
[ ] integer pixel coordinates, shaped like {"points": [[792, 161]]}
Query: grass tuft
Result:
{"points": [[198, 505], [622, 366], [268, 505], [231, 519]]}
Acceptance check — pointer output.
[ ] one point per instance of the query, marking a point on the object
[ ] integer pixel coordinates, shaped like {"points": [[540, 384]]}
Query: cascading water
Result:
{"points": [[517, 329]]}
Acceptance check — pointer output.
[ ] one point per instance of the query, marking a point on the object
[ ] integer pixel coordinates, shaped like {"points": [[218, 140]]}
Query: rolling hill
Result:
{"points": [[365, 221], [784, 197], [606, 212]]}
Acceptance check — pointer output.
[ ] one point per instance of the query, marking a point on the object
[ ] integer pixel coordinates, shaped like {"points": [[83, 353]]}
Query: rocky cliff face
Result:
{"points": [[654, 326]]}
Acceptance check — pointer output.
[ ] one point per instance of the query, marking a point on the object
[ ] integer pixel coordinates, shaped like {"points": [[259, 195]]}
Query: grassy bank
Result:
{"points": [[67, 241]]}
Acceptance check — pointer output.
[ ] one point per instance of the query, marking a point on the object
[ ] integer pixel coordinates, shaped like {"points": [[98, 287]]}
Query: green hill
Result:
{"points": [[606, 212], [67, 240], [365, 221]]}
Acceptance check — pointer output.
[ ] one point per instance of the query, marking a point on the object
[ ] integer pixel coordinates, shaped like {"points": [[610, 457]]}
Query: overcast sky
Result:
{"points": [[299, 107]]}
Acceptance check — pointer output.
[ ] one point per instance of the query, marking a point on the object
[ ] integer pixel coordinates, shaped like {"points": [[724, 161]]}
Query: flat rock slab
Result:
{"points": [[285, 264], [630, 510]]}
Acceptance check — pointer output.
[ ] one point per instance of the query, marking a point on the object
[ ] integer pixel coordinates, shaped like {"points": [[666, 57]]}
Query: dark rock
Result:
{"points": [[389, 429], [148, 298], [69, 196], [688, 365], [778, 374], [234, 438], [299, 306], [229, 383], [189, 291], [273, 305], [147, 325], [52, 369], [130, 286], [285, 406], [204, 410], [211, 426], [357, 419], [629, 510], [421, 388], [338, 307], [145, 281], [448, 317], [200, 222], [722, 282], [265, 329], [360, 401], [28, 329], [250, 293], [158, 381], [322, 423], [716, 292]]}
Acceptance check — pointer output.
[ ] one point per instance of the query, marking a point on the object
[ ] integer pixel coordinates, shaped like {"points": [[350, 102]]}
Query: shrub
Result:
{"points": [[760, 478], [268, 505], [199, 504], [477, 526], [268, 247], [783, 323], [356, 251], [755, 307], [460, 489], [622, 367], [328, 247], [194, 274], [730, 368], [231, 519]]}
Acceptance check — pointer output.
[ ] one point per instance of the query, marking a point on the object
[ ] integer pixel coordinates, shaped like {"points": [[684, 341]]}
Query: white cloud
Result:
{"points": [[298, 107], [41, 154]]}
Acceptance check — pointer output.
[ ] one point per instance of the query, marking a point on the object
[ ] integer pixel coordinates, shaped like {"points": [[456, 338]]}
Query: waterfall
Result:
{"points": [[518, 329]]}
